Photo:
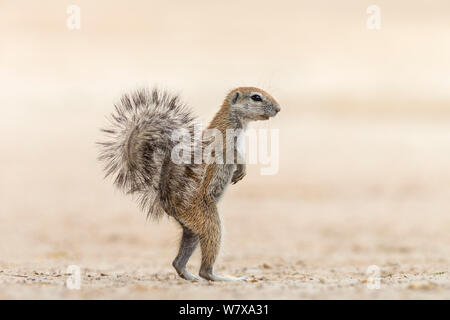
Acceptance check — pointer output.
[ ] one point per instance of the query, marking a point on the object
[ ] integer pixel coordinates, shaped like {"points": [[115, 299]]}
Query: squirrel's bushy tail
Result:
{"points": [[137, 150]]}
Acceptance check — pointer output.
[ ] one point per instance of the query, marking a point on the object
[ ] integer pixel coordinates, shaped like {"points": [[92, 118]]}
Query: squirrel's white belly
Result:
{"points": [[240, 146]]}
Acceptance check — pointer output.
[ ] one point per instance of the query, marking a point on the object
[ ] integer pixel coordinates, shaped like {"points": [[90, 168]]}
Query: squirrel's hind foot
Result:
{"points": [[210, 276], [186, 275], [183, 273]]}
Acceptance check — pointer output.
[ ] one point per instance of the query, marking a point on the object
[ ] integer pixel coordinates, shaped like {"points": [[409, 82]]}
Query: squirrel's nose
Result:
{"points": [[277, 109]]}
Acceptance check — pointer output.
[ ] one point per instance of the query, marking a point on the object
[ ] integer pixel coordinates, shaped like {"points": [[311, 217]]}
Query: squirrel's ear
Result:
{"points": [[234, 97]]}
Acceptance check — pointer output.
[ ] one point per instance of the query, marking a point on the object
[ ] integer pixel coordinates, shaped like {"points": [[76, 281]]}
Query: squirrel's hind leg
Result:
{"points": [[210, 235], [189, 242]]}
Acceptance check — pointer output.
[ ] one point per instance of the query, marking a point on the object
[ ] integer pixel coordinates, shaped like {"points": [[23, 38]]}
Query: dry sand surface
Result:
{"points": [[312, 236], [364, 150]]}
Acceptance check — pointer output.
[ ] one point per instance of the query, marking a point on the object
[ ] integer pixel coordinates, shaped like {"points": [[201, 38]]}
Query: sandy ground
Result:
{"points": [[311, 237], [364, 160]]}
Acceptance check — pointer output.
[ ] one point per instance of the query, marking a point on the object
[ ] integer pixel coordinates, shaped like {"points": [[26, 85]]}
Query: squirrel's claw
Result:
{"points": [[237, 176]]}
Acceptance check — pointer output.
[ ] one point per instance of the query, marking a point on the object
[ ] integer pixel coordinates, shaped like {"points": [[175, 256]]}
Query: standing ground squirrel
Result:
{"points": [[139, 153]]}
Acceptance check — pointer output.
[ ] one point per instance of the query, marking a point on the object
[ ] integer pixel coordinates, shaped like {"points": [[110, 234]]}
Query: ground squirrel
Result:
{"points": [[138, 153]]}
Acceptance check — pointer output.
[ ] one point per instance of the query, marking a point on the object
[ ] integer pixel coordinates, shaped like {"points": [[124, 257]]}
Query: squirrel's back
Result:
{"points": [[138, 146]]}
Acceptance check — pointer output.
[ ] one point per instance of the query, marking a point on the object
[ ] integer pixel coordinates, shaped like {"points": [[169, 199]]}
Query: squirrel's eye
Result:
{"points": [[256, 97]]}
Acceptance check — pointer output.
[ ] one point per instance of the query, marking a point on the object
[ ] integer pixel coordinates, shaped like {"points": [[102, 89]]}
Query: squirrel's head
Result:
{"points": [[252, 104]]}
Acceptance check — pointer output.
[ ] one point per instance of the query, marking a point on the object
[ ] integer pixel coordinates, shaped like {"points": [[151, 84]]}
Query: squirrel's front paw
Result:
{"points": [[237, 176]]}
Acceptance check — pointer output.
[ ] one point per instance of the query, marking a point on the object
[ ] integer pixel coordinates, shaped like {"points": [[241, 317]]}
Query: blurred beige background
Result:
{"points": [[364, 146]]}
